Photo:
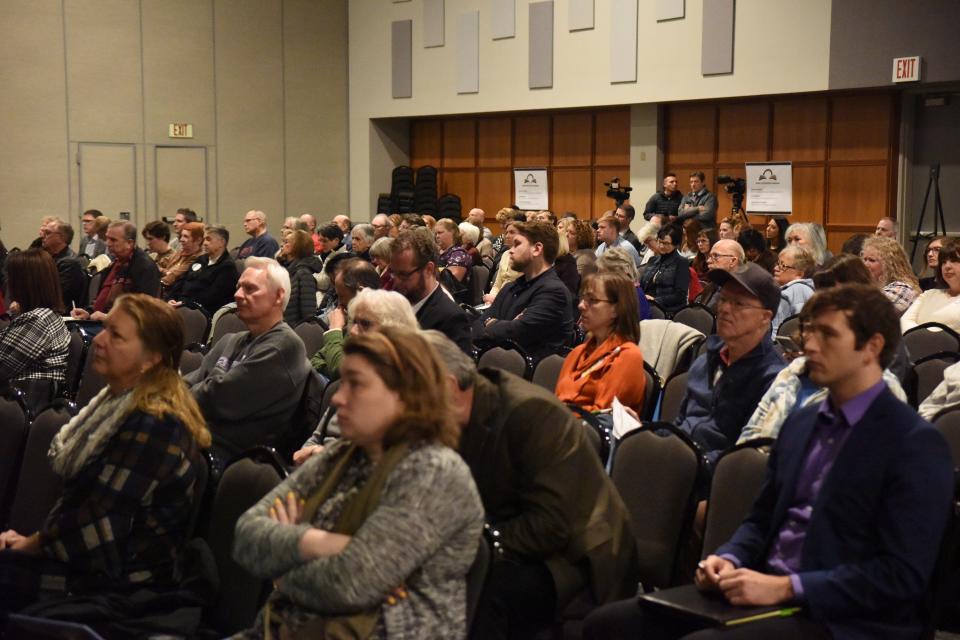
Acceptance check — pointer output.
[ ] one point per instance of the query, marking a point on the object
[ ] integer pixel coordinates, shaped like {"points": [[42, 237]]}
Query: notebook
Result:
{"points": [[710, 606]]}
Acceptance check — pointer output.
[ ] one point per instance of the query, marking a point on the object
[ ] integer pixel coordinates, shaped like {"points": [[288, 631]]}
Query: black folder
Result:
{"points": [[710, 606]]}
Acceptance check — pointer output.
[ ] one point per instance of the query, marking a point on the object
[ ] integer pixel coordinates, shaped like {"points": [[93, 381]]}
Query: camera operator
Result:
{"points": [[700, 204], [666, 202]]}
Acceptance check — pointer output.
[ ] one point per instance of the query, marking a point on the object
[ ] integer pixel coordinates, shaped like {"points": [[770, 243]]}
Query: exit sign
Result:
{"points": [[906, 69], [181, 130]]}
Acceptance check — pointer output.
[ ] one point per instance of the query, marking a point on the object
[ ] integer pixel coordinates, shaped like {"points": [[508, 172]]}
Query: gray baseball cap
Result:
{"points": [[755, 279]]}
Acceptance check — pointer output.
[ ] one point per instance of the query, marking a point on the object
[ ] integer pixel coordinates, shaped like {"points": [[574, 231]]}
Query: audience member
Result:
{"points": [[477, 217], [607, 364], [887, 227], [503, 272], [755, 249], [608, 232], [362, 237], [132, 272], [727, 230], [535, 310], [212, 278], [383, 226], [157, 235], [619, 261], [191, 248], [890, 269], [705, 241], [410, 220], [35, 345], [260, 244], [346, 225], [90, 243], [381, 252], [775, 233], [860, 562], [566, 267], [250, 383], [469, 238], [182, 217], [854, 244], [352, 276], [700, 204], [561, 526], [326, 281], [453, 257], [727, 255], [942, 304], [331, 241], [841, 269], [665, 202], [311, 223], [359, 540], [414, 268], [811, 237], [56, 237], [928, 279], [580, 243], [625, 214], [666, 279], [429, 221], [725, 384], [128, 463], [503, 216], [793, 273], [302, 266]]}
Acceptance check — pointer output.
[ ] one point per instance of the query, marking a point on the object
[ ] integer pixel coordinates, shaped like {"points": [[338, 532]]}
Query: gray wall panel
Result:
{"points": [[468, 52], [433, 35], [670, 9], [503, 19], [541, 45], [401, 58], [717, 42], [623, 41], [580, 15]]}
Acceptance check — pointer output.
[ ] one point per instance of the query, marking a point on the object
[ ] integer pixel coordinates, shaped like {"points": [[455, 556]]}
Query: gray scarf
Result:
{"points": [[87, 434]]}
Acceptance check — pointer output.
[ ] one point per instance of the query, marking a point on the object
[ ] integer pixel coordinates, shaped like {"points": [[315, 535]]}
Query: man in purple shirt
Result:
{"points": [[850, 518]]}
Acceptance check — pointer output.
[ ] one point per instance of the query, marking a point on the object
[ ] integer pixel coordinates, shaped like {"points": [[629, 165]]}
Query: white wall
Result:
{"points": [[263, 82], [781, 46]]}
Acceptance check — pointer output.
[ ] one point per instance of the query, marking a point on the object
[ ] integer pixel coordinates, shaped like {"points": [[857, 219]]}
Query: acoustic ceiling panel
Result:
{"points": [[623, 41], [717, 40], [468, 52], [433, 23], [541, 45]]}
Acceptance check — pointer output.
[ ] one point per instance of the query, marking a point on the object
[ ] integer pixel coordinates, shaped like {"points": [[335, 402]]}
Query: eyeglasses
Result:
{"points": [[403, 275], [784, 267], [592, 302], [716, 256], [664, 241], [382, 226], [364, 323], [737, 305]]}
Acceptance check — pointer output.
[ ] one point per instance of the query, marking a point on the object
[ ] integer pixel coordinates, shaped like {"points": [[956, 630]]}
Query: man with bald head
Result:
{"points": [[726, 255], [260, 244], [476, 217], [311, 223], [383, 227], [346, 225]]}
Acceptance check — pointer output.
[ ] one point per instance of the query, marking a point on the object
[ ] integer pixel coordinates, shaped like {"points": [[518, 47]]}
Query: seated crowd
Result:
{"points": [[358, 542]]}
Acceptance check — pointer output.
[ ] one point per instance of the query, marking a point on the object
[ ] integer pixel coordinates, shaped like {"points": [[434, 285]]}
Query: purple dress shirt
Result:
{"points": [[829, 435]]}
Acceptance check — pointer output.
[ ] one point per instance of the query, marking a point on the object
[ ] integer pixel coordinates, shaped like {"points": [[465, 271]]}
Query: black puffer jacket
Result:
{"points": [[303, 290], [667, 279]]}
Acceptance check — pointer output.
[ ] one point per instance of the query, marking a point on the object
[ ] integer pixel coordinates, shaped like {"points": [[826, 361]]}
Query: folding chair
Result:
{"points": [[478, 282], [196, 323], [697, 316], [505, 359], [312, 335], [948, 424], [90, 383], [930, 338], [789, 327], [673, 391], [13, 438], [547, 372], [190, 361], [75, 360], [229, 322], [657, 312], [925, 374], [651, 391]]}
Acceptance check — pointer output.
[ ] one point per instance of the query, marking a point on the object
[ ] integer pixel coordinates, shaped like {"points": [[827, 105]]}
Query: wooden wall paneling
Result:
{"points": [[494, 191], [612, 138], [570, 191], [690, 134], [460, 143], [462, 182], [426, 143], [494, 142], [800, 129], [743, 132], [857, 194], [572, 139], [860, 127], [601, 202], [809, 199], [531, 141]]}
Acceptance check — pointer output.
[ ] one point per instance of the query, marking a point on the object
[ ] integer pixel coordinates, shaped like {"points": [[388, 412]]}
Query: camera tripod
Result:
{"points": [[933, 181]]}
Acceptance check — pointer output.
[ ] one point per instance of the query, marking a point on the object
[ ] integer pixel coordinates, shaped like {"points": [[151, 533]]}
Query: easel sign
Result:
{"points": [[530, 188], [770, 187]]}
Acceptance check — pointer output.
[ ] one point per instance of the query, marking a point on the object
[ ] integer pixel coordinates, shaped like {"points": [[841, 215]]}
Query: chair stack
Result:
{"points": [[449, 206], [425, 191], [402, 190]]}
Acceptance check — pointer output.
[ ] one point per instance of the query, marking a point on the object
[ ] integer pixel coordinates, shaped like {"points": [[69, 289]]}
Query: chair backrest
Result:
{"points": [[656, 475], [75, 358], [789, 327], [90, 384], [673, 391], [698, 317], [548, 372], [328, 393], [948, 424], [38, 487], [930, 338], [312, 335], [93, 287], [477, 578], [657, 312], [242, 484], [229, 322], [479, 276], [737, 479], [505, 359], [651, 391], [926, 374], [190, 361], [195, 325], [13, 437]]}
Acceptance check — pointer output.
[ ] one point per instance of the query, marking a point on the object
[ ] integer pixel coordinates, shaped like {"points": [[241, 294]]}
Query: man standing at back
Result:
{"points": [[250, 383], [535, 310], [260, 244], [700, 204], [666, 202]]}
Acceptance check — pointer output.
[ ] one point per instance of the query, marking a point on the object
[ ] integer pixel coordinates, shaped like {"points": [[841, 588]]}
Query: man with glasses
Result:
{"points": [[413, 263], [726, 383], [260, 244], [726, 255], [383, 226], [55, 238], [90, 243], [793, 273], [608, 232]]}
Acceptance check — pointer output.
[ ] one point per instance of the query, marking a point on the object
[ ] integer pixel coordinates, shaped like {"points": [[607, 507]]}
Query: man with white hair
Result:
{"points": [[260, 243], [383, 227], [250, 383]]}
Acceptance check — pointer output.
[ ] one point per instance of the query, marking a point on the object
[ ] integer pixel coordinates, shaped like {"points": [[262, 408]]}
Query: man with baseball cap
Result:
{"points": [[726, 383]]}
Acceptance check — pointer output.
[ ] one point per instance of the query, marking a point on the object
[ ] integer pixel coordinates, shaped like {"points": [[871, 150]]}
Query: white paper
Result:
{"points": [[530, 189], [623, 422], [769, 187]]}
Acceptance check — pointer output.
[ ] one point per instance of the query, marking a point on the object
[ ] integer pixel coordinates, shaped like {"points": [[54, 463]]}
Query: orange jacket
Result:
{"points": [[593, 374]]}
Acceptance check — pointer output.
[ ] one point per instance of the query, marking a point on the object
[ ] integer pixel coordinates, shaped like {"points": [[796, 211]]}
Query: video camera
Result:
{"points": [[736, 187], [618, 193]]}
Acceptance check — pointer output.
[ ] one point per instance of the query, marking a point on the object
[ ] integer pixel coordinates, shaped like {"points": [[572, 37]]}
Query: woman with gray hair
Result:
{"points": [[380, 253], [811, 237]]}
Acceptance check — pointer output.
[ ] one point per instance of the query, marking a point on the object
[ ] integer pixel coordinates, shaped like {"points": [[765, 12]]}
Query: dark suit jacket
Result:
{"points": [[72, 280], [443, 314], [209, 286], [877, 522], [544, 490], [140, 275]]}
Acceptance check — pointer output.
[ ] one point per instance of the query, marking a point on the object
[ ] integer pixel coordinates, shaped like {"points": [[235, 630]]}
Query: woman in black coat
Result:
{"points": [[666, 279], [297, 250]]}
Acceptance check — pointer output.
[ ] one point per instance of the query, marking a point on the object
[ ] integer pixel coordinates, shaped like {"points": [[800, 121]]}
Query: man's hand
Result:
{"points": [[98, 316], [337, 319], [13, 541], [752, 588], [301, 456], [708, 573], [79, 314]]}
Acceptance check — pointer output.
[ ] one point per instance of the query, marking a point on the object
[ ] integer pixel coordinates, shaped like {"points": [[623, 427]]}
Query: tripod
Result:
{"points": [[934, 181]]}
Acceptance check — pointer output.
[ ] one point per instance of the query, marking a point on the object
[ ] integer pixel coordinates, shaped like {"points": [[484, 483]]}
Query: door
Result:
{"points": [[182, 181]]}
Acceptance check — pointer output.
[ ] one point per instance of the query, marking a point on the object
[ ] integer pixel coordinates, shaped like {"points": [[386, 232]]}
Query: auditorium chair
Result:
{"points": [[90, 383], [930, 338], [479, 276], [547, 372], [657, 312], [196, 323], [190, 361], [311, 334], [925, 374], [76, 356], [229, 322], [509, 360], [697, 316], [790, 327], [673, 391], [13, 438], [651, 391]]}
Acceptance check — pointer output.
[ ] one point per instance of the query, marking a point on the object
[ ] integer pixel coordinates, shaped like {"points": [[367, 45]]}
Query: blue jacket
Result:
{"points": [[877, 522], [714, 414]]}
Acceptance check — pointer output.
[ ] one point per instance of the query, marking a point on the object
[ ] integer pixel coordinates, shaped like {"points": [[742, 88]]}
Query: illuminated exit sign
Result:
{"points": [[906, 69], [181, 130]]}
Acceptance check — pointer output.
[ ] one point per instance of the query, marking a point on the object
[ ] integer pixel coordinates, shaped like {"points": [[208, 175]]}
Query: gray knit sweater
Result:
{"points": [[423, 534]]}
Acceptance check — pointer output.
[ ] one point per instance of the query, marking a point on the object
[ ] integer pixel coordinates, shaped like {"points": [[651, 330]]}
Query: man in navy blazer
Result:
{"points": [[858, 491]]}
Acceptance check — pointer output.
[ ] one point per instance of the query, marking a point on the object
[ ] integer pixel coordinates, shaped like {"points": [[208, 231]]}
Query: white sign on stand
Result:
{"points": [[530, 189], [769, 187]]}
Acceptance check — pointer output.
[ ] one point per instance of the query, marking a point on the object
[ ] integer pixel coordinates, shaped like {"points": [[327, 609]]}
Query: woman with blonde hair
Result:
{"points": [[129, 465], [890, 269], [359, 541]]}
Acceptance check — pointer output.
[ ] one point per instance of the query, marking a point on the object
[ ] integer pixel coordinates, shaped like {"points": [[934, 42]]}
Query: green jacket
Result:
{"points": [[327, 360]]}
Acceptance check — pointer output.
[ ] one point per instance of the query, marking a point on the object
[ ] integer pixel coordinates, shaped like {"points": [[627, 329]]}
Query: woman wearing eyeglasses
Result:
{"points": [[609, 363], [792, 272], [667, 278], [942, 304], [928, 279]]}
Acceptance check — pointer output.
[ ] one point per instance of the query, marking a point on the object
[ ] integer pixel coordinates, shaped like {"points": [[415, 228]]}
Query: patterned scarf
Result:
{"points": [[87, 434]]}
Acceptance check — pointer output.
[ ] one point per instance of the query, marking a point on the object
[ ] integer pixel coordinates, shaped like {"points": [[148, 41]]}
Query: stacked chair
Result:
{"points": [[425, 191], [402, 190]]}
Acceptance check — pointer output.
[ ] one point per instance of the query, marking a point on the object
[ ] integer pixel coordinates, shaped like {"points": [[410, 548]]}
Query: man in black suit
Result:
{"points": [[414, 267], [56, 237]]}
